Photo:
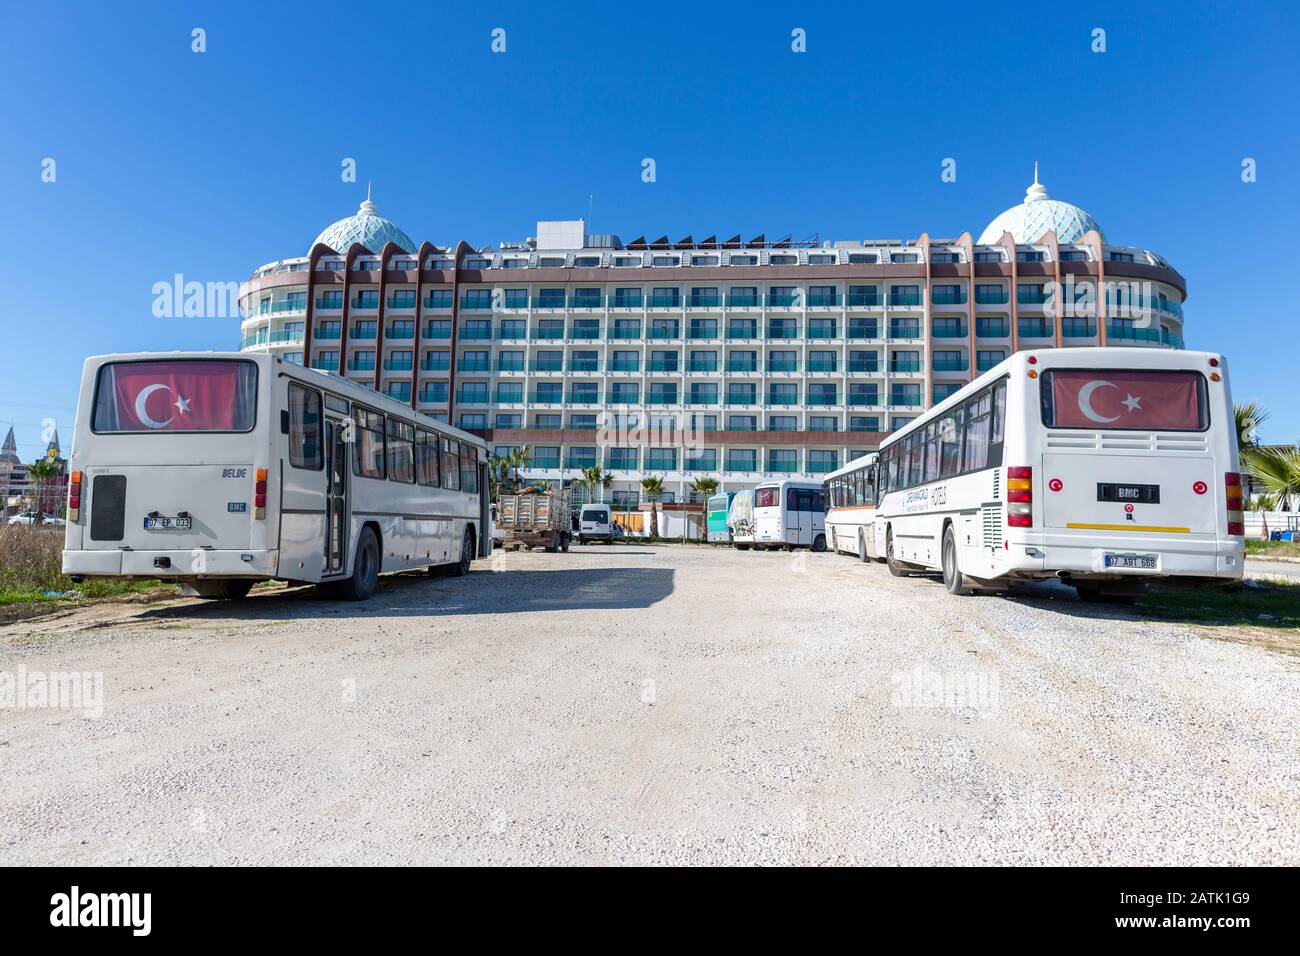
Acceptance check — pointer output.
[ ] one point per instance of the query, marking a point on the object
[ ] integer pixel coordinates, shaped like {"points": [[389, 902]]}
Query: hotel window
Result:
{"points": [[512, 330], [402, 329], [863, 295], [662, 394], [476, 262], [433, 392], [438, 264], [902, 257], [362, 362], [821, 259], [783, 394], [948, 328], [327, 360], [897, 422], [821, 460], [626, 329], [905, 361], [365, 329], [904, 328], [865, 360], [438, 299], [742, 423], [743, 260], [473, 420], [988, 257], [621, 458], [330, 300], [904, 393], [1119, 257], [625, 362], [905, 295], [742, 393], [783, 260], [863, 258], [822, 393], [294, 358], [400, 361], [948, 295], [476, 299], [943, 389], [514, 263], [402, 299], [626, 299], [1029, 255], [549, 392], [665, 261], [503, 420], [330, 265], [547, 421], [1073, 255], [782, 460], [823, 423], [474, 361], [944, 257], [987, 293], [704, 297], [742, 296], [586, 298], [510, 392], [401, 391], [823, 361], [585, 423], [584, 362], [547, 456], [992, 328], [516, 298], [742, 459], [705, 260], [625, 262], [586, 262], [704, 362], [742, 361], [365, 265], [550, 262], [782, 328], [1028, 293], [366, 299], [663, 362], [861, 327], [624, 393], [822, 328], [864, 423], [582, 457], [782, 361], [550, 299], [665, 329], [661, 298], [704, 393], [439, 361], [782, 295], [986, 359], [948, 360], [705, 459], [550, 360], [863, 394], [661, 459], [476, 392], [707, 423]]}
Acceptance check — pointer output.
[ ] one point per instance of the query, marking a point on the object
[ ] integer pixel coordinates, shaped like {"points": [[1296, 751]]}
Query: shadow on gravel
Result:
{"points": [[417, 595]]}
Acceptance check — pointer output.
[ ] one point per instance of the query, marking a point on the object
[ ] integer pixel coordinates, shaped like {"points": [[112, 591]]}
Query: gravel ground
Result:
{"points": [[651, 705]]}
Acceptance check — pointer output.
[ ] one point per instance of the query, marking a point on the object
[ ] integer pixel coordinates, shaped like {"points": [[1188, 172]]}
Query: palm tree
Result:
{"points": [[706, 488], [1277, 469], [1249, 417], [595, 478], [42, 475], [1263, 504], [653, 486], [519, 459]]}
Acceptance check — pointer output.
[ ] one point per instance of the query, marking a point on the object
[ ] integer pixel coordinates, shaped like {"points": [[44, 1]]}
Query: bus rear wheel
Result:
{"points": [[952, 576], [862, 547], [896, 567], [461, 567], [819, 543], [365, 570]]}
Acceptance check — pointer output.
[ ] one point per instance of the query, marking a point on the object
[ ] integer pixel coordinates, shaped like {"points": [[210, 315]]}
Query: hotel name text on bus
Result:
{"points": [[1105, 468], [217, 470]]}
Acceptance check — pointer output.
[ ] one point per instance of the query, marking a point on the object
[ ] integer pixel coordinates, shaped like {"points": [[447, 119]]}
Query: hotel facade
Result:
{"points": [[737, 359]]}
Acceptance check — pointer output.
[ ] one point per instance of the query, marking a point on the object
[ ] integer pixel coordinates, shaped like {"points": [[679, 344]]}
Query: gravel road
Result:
{"points": [[651, 705]]}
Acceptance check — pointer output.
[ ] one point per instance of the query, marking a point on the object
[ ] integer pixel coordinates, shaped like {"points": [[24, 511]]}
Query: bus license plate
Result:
{"points": [[1141, 494], [167, 524], [1137, 562]]}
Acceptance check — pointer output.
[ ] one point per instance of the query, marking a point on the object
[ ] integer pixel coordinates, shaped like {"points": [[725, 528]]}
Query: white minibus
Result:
{"points": [[1103, 467], [594, 524], [788, 514], [850, 498], [217, 470], [740, 520]]}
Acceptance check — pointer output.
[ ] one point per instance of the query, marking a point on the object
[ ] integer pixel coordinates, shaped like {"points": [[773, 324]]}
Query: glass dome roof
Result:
{"points": [[367, 227], [1037, 215]]}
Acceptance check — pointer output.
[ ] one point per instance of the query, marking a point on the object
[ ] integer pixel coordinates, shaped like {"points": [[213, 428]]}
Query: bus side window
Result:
{"points": [[998, 425], [451, 464], [426, 459], [950, 443], [401, 451], [368, 447], [975, 455], [305, 450], [469, 469]]}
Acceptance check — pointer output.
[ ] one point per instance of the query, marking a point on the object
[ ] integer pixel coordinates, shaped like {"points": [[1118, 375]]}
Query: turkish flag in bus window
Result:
{"points": [[180, 395], [1124, 399]]}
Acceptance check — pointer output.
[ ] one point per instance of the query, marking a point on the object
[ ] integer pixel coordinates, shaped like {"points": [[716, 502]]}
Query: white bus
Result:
{"points": [[217, 470], [850, 498], [788, 514], [740, 520], [1103, 467]]}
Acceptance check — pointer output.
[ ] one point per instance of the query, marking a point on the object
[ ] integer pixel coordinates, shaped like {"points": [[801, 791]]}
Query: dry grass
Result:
{"points": [[31, 562]]}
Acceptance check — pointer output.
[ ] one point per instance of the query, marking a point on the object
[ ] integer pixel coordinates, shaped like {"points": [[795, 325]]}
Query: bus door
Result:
{"points": [[795, 523], [336, 496]]}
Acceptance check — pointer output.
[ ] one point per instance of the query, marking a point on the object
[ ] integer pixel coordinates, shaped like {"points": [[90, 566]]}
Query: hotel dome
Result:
{"points": [[367, 227], [1038, 215]]}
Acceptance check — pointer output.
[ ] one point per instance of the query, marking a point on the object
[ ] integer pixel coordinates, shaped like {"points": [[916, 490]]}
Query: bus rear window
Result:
{"points": [[176, 395], [766, 498], [1124, 399]]}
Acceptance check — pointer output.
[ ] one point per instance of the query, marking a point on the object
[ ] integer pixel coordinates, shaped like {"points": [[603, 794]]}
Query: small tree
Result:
{"points": [[706, 488], [42, 476], [653, 486], [519, 459], [1277, 469], [595, 478], [1249, 416]]}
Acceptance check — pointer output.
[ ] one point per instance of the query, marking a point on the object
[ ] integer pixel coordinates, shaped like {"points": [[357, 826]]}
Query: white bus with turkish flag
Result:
{"points": [[1102, 467], [217, 470]]}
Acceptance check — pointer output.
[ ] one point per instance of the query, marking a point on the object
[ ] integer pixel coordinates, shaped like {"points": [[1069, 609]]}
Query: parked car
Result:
{"points": [[594, 524], [29, 517]]}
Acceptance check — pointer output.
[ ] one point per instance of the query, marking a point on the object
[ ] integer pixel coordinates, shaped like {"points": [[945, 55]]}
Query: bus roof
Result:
{"points": [[857, 464], [1083, 357], [333, 383]]}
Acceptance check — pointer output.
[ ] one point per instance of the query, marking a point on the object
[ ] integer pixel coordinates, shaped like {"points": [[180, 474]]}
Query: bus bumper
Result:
{"points": [[197, 563], [1222, 559]]}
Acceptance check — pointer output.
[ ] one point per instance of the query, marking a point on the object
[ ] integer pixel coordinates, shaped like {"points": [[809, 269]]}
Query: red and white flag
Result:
{"points": [[1100, 398], [176, 396]]}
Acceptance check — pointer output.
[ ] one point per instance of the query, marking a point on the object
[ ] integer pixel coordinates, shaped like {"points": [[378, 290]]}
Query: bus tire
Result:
{"points": [[564, 543], [461, 567], [896, 567], [365, 570], [819, 543], [952, 576], [740, 547], [862, 547]]}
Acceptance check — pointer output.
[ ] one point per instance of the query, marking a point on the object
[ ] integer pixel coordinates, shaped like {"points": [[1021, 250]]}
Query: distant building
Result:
{"points": [[15, 480], [738, 359]]}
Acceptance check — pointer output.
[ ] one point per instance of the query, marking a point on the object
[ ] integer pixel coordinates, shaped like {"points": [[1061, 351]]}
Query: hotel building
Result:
{"points": [[732, 358]]}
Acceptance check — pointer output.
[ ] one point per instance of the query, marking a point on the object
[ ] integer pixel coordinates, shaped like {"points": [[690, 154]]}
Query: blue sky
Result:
{"points": [[211, 164]]}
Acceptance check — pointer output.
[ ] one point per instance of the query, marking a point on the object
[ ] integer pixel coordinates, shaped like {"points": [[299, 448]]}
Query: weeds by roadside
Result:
{"points": [[1273, 549], [1272, 604], [31, 559]]}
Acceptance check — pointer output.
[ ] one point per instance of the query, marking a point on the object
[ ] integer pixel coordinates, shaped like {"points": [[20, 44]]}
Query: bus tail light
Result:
{"points": [[74, 497], [1020, 496], [1232, 489], [259, 495]]}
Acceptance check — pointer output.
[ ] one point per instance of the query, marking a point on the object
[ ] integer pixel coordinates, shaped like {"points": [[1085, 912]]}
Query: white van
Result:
{"points": [[594, 524], [789, 515]]}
